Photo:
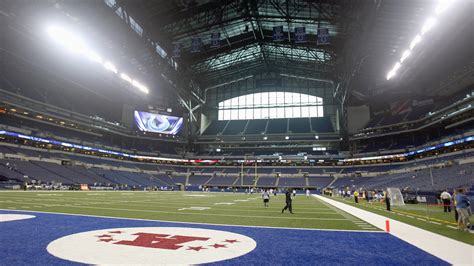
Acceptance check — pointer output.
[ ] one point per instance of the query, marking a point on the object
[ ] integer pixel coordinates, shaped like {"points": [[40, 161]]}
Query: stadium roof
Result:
{"points": [[245, 28], [366, 39]]}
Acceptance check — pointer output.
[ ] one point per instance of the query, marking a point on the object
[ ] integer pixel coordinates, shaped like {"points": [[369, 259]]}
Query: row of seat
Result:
{"points": [[270, 126]]}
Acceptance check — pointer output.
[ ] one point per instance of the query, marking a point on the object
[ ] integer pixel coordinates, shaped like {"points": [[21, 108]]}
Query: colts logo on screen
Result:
{"points": [[151, 245]]}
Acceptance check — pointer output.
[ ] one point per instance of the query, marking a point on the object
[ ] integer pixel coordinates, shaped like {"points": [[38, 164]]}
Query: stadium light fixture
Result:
{"points": [[125, 77], [140, 86], [396, 67], [393, 72], [67, 39], [287, 137], [429, 24], [442, 6], [390, 75], [265, 138], [415, 42], [94, 57], [77, 45], [316, 137], [111, 67], [405, 55]]}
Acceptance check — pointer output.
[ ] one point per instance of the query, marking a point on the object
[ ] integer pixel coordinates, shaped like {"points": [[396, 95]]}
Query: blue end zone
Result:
{"points": [[24, 242]]}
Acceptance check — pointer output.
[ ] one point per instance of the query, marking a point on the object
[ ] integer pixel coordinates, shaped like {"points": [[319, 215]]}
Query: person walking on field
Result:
{"points": [[288, 201], [266, 198], [356, 196], [446, 199]]}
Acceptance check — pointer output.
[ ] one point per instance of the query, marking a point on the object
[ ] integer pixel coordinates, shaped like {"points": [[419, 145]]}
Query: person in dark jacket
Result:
{"points": [[387, 201], [288, 201]]}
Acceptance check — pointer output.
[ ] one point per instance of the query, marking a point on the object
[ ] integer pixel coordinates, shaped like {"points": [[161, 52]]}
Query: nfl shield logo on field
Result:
{"points": [[151, 245]]}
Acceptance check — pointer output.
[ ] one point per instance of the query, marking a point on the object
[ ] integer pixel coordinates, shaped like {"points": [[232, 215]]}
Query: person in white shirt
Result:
{"points": [[446, 199], [266, 198], [308, 193]]}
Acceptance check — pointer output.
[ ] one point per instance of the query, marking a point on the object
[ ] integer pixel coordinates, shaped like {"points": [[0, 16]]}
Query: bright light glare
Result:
{"points": [[67, 39], [396, 67], [94, 57], [139, 86], [405, 55], [111, 67], [391, 74], [428, 25], [415, 41], [442, 6], [77, 45], [126, 77]]}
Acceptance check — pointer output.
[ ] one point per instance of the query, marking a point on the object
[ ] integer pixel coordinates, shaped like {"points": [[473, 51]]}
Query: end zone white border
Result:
{"points": [[7, 217], [447, 249]]}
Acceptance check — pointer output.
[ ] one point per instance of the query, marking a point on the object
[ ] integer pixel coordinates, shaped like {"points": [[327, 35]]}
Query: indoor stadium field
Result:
{"points": [[236, 132]]}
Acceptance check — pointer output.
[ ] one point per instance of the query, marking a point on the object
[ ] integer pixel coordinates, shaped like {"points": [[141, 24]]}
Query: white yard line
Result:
{"points": [[447, 249]]}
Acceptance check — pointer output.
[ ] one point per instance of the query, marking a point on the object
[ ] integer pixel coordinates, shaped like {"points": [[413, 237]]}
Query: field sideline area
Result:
{"points": [[428, 217], [212, 208]]}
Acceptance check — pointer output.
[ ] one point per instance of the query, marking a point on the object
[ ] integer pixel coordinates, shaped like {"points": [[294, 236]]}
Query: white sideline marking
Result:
{"points": [[198, 196], [241, 200], [453, 227], [224, 203], [452, 251]]}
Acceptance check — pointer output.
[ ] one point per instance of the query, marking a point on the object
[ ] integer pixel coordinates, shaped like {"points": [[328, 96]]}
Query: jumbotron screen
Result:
{"points": [[157, 123]]}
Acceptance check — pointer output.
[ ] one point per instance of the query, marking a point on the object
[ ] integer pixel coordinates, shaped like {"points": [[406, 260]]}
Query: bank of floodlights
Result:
{"points": [[429, 24], [75, 44]]}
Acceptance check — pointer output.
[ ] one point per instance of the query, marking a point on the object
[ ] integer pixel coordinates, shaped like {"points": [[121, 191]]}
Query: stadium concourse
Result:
{"points": [[236, 132]]}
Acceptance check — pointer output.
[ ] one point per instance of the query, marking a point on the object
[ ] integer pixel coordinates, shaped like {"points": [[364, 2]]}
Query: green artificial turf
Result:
{"points": [[430, 218], [224, 208]]}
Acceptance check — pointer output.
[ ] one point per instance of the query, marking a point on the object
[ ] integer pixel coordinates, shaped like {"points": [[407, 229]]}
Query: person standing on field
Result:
{"points": [[446, 199], [387, 201], [356, 196], [266, 198]]}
